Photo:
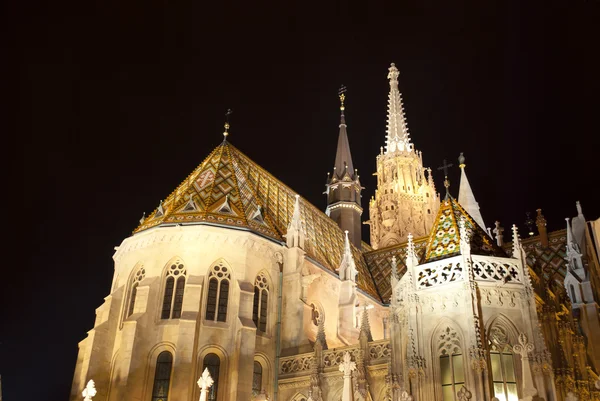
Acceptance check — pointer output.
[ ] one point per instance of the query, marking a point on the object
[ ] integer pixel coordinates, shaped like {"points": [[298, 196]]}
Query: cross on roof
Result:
{"points": [[445, 167]]}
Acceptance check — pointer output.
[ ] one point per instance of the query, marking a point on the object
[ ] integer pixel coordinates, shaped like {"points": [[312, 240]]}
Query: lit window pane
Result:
{"points": [[459, 372], [499, 391], [445, 370], [512, 392], [447, 394], [496, 367], [509, 368]]}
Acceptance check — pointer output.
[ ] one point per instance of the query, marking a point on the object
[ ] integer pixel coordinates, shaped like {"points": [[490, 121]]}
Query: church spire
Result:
{"points": [[397, 129], [343, 185], [465, 195], [343, 158]]}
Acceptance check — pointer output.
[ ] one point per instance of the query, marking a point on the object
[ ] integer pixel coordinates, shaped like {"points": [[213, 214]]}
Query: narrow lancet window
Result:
{"points": [[139, 276], [452, 370], [174, 282], [213, 364], [162, 376], [261, 302], [257, 378], [218, 293]]}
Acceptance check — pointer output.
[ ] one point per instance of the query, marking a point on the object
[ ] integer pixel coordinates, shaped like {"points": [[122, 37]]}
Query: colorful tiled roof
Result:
{"points": [[444, 239], [229, 189]]}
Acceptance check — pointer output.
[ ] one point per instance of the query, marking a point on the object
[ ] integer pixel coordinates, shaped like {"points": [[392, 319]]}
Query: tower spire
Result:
{"points": [[397, 129], [465, 194], [343, 158]]}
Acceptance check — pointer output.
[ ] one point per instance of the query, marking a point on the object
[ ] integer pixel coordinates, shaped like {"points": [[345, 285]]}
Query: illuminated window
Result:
{"points": [[261, 302], [257, 378], [503, 367], [452, 370], [162, 376], [175, 282], [139, 276], [213, 364], [218, 293]]}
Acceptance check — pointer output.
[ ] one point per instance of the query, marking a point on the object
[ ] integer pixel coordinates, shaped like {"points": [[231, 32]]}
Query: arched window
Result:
{"points": [[257, 378], [451, 364], [139, 276], [503, 366], [261, 302], [218, 293], [162, 376], [175, 282], [213, 364]]}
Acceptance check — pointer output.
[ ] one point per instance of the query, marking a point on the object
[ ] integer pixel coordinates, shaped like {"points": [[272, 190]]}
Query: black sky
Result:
{"points": [[112, 104]]}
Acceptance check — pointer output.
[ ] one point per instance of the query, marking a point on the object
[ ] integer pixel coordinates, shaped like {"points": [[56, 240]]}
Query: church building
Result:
{"points": [[237, 288]]}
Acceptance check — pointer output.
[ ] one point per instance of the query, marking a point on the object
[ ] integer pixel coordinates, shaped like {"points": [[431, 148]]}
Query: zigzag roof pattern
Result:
{"points": [[444, 239], [229, 189]]}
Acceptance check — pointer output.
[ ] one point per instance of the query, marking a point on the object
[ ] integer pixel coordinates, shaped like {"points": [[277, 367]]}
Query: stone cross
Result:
{"points": [[205, 382], [347, 366], [524, 348], [464, 394], [89, 391]]}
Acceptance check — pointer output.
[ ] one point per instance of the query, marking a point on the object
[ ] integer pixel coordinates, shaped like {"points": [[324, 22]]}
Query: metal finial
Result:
{"points": [[461, 160], [445, 167], [227, 114], [342, 95]]}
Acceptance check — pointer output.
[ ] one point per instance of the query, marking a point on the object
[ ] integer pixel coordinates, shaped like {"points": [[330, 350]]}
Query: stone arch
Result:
{"points": [[446, 339], [267, 371], [265, 296], [223, 370], [506, 324], [151, 366], [299, 397], [111, 377]]}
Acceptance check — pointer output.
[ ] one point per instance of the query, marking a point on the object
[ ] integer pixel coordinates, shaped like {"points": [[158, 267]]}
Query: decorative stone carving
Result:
{"points": [[463, 394], [380, 350], [297, 363], [434, 274], [89, 391], [205, 382], [347, 367], [524, 348], [496, 270], [571, 397], [404, 396]]}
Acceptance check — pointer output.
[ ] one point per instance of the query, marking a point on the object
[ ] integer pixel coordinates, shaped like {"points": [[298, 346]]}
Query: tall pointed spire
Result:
{"points": [[343, 185], [465, 195], [365, 327], [347, 269], [295, 235], [343, 158], [397, 129]]}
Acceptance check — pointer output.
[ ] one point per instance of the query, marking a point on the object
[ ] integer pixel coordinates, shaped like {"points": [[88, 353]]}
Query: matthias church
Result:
{"points": [[237, 288]]}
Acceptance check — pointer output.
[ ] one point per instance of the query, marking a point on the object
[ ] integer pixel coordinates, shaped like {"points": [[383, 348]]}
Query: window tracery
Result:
{"points": [[451, 363], [175, 282], [212, 362], [162, 376], [502, 365], [218, 293]]}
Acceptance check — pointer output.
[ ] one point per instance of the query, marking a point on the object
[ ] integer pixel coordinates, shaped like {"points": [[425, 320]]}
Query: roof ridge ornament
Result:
{"points": [[161, 211], [226, 132], [295, 235], [347, 270], [397, 137], [445, 167]]}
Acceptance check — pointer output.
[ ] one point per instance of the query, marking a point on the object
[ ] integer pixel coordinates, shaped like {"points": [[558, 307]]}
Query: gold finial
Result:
{"points": [[342, 95], [226, 132]]}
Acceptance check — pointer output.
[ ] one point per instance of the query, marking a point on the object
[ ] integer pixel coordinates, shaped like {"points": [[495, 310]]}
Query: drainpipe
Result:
{"points": [[278, 336]]}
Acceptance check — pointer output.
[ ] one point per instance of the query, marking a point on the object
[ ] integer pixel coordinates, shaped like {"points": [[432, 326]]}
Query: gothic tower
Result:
{"points": [[405, 200], [343, 186]]}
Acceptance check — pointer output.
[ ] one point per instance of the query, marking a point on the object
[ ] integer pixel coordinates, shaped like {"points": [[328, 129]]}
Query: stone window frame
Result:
{"points": [[441, 350], [262, 283], [213, 274], [177, 274], [137, 275]]}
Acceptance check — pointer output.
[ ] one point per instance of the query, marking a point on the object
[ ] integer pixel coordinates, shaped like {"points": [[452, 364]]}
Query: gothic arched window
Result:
{"points": [[213, 364], [503, 366], [218, 293], [175, 282], [261, 302], [257, 378], [452, 371], [139, 276], [162, 376]]}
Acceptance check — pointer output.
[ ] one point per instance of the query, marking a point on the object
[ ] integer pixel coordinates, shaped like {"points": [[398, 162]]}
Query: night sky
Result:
{"points": [[116, 102]]}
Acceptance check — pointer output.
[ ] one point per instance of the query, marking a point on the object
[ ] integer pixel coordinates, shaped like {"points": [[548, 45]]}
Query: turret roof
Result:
{"points": [[229, 189], [444, 239]]}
